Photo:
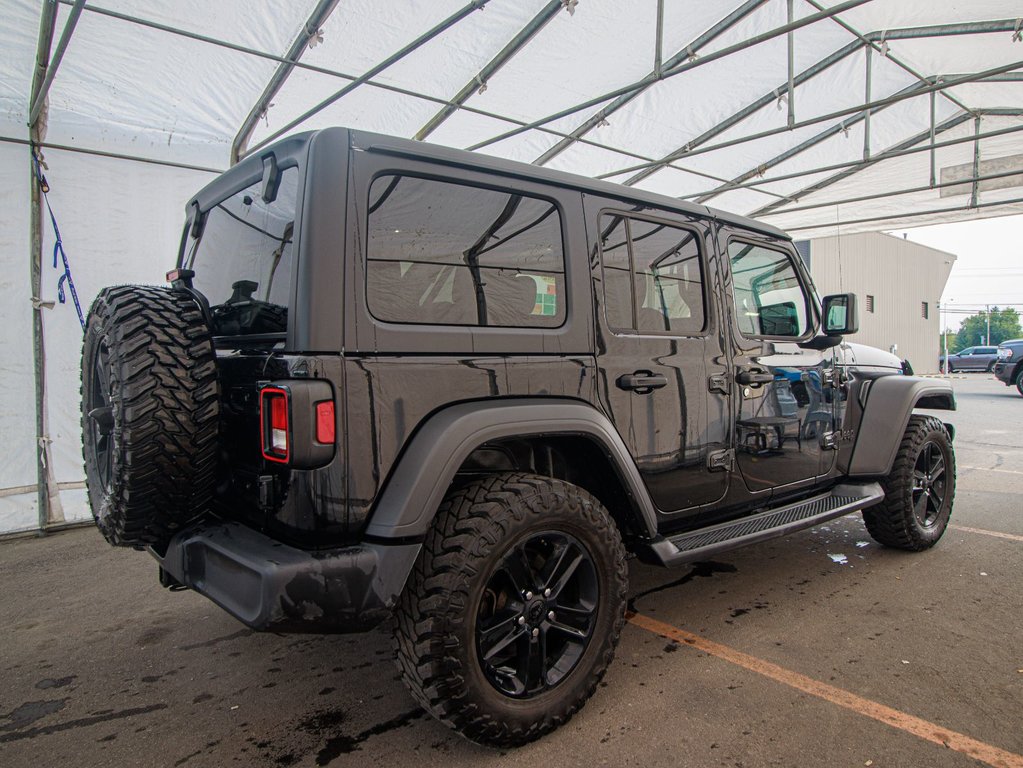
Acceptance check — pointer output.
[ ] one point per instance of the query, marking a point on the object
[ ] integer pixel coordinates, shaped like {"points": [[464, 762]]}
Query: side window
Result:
{"points": [[451, 254], [652, 276], [769, 299]]}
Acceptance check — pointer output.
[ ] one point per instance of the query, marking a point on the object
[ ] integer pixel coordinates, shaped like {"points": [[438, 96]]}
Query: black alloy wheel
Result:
{"points": [[537, 613], [929, 486], [101, 416]]}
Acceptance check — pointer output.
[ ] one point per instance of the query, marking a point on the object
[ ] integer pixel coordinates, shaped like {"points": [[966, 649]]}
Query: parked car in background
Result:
{"points": [[1009, 368], [971, 359]]}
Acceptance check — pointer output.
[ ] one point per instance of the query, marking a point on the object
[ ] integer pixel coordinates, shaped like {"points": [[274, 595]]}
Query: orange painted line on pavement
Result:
{"points": [[997, 534], [993, 756]]}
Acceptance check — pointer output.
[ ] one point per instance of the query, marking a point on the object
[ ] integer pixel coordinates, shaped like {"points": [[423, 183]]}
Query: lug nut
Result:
{"points": [[546, 593], [529, 595], [551, 615], [536, 633], [522, 619]]}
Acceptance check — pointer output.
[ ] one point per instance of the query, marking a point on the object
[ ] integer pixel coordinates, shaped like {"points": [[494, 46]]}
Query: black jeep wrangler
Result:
{"points": [[390, 379]]}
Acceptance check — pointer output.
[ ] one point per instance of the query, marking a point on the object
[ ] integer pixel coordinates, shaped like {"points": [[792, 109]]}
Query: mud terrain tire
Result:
{"points": [[919, 490], [467, 594], [150, 413]]}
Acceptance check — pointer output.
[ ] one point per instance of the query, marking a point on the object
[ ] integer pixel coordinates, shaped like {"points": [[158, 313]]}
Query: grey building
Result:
{"points": [[898, 283]]}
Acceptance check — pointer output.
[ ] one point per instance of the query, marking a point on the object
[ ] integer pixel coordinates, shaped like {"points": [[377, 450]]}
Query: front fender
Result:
{"points": [[428, 464], [889, 403]]}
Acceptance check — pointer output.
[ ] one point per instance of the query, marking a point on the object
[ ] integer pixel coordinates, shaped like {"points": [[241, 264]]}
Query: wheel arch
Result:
{"points": [[889, 404], [441, 446]]}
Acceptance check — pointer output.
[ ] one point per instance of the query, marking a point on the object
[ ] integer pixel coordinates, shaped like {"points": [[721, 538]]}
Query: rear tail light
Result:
{"points": [[297, 423], [273, 417]]}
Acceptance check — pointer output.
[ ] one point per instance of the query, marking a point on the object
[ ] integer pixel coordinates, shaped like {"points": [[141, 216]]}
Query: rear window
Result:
{"points": [[243, 259]]}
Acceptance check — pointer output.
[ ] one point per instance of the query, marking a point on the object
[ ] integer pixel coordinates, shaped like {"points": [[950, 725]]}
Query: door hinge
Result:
{"points": [[829, 441], [718, 461], [718, 383]]}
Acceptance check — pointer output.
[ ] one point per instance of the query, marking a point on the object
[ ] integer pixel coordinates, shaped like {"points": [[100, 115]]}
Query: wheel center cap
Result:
{"points": [[536, 609]]}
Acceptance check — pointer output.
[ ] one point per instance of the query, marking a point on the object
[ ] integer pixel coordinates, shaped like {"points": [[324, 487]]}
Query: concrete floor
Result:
{"points": [[100, 666]]}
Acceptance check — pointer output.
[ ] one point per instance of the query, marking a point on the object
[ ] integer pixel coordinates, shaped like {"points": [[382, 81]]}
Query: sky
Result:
{"points": [[988, 267]]}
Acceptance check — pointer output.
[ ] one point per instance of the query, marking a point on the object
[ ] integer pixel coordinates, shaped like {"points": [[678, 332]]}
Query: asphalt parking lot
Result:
{"points": [[822, 649]]}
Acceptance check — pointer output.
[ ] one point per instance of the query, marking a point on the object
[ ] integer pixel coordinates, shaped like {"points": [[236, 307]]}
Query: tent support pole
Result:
{"points": [[975, 194], [856, 165], [934, 156], [742, 114], [910, 92], [682, 55], [866, 116], [900, 216], [895, 193], [675, 71], [479, 83], [659, 41], [39, 91], [425, 37], [47, 25], [311, 29], [791, 65]]}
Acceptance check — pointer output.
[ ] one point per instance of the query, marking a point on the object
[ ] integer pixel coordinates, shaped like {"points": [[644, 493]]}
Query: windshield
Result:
{"points": [[243, 257]]}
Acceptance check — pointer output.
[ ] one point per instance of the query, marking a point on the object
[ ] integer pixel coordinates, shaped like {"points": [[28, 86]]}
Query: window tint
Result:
{"points": [[652, 276], [243, 259], [769, 299], [450, 254]]}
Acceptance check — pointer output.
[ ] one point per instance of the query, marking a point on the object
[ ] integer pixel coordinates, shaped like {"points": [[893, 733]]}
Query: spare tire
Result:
{"points": [[150, 413]]}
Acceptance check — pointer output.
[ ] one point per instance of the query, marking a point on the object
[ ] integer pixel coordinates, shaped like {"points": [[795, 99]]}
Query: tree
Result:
{"points": [[973, 331]]}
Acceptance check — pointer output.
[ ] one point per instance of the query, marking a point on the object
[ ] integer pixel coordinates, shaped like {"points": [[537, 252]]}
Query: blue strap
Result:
{"points": [[58, 247]]}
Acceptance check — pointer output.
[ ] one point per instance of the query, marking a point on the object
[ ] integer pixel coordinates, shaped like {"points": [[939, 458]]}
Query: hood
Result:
{"points": [[860, 354]]}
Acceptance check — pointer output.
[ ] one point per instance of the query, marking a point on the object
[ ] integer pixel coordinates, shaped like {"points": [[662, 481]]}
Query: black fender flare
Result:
{"points": [[889, 403], [424, 470]]}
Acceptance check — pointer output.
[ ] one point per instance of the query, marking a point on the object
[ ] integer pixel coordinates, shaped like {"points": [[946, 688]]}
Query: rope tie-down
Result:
{"points": [[58, 246]]}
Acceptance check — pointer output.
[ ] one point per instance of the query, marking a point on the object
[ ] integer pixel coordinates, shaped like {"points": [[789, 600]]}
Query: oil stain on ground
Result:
{"points": [[702, 570], [329, 726]]}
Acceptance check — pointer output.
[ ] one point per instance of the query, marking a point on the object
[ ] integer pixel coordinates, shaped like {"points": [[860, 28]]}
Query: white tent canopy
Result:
{"points": [[820, 117]]}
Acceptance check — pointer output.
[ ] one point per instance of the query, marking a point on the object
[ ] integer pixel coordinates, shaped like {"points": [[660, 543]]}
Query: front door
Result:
{"points": [[784, 405], [656, 349]]}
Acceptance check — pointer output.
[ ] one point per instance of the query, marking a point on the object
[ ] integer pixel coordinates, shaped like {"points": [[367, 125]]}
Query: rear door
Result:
{"points": [[656, 346]]}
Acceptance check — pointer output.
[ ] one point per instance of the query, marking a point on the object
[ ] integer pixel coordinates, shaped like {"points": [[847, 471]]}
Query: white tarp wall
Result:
{"points": [[172, 84]]}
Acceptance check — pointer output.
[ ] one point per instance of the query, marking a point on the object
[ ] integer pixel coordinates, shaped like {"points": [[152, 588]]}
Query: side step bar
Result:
{"points": [[706, 542]]}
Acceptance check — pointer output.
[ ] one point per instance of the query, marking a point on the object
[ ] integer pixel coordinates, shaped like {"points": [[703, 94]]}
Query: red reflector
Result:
{"points": [[273, 416], [325, 422]]}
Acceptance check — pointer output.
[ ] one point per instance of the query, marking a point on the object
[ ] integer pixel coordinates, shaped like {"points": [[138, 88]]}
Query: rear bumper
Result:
{"points": [[268, 585]]}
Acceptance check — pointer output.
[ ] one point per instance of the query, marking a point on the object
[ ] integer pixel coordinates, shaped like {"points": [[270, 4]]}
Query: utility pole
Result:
{"points": [[987, 341], [944, 337]]}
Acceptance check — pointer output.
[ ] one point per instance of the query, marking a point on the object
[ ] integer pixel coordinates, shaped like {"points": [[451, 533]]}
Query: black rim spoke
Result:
{"points": [[563, 570], [512, 633], [537, 614], [518, 570], [928, 491]]}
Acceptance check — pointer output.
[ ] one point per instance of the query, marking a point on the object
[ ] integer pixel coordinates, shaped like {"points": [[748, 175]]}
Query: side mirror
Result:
{"points": [[839, 312]]}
